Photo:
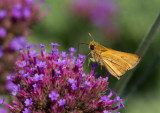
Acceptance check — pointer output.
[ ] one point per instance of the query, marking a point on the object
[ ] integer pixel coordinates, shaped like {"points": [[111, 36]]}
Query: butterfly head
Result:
{"points": [[92, 45]]}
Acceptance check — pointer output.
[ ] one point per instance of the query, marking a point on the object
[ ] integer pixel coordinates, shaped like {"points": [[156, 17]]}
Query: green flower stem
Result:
{"points": [[143, 47], [145, 74]]}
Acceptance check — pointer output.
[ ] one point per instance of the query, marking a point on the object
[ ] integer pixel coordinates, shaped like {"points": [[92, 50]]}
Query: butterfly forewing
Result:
{"points": [[131, 59], [117, 62]]}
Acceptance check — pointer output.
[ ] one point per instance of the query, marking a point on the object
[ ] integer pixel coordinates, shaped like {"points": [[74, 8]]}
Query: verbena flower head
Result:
{"points": [[16, 16], [52, 83], [100, 13]]}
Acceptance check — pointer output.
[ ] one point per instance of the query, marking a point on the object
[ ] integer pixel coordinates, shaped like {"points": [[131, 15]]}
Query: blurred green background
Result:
{"points": [[134, 19]]}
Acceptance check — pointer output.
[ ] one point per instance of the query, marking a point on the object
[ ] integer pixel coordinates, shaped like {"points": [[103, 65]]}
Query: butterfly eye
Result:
{"points": [[91, 47]]}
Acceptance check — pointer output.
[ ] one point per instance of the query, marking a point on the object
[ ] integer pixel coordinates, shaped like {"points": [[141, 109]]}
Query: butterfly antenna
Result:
{"points": [[91, 36]]}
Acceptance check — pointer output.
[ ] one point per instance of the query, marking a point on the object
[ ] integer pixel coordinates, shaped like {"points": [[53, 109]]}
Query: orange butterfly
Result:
{"points": [[116, 62]]}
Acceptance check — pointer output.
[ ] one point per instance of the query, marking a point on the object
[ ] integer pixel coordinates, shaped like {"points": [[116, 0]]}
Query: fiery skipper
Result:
{"points": [[116, 62]]}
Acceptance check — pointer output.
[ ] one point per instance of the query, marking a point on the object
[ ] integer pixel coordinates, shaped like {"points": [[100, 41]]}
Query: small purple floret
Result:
{"points": [[55, 51], [9, 77], [2, 100], [26, 110], [84, 75], [72, 81], [74, 86], [23, 64], [54, 95], [27, 74], [42, 45], [16, 88], [72, 50], [57, 72], [41, 64], [38, 77], [64, 55], [79, 63], [62, 102], [87, 83], [105, 111], [60, 62], [9, 85], [26, 12], [105, 99], [21, 72], [34, 85], [81, 57], [54, 44], [34, 53], [28, 102]]}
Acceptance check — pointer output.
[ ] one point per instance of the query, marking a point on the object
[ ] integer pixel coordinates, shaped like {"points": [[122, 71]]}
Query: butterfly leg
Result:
{"points": [[101, 69], [88, 64], [90, 59]]}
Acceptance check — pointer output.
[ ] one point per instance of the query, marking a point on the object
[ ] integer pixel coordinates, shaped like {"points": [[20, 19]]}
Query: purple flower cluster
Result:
{"points": [[55, 83], [100, 13], [16, 18]]}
